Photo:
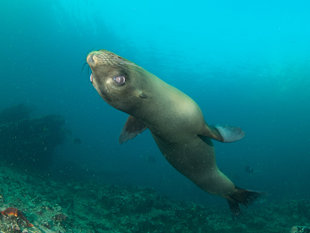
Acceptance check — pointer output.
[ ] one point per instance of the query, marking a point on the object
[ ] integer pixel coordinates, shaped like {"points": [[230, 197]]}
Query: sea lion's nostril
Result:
{"points": [[90, 59]]}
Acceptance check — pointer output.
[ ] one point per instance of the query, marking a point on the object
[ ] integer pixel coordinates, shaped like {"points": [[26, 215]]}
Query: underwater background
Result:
{"points": [[246, 63]]}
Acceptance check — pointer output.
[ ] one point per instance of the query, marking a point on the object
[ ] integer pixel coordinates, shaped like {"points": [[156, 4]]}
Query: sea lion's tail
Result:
{"points": [[241, 196]]}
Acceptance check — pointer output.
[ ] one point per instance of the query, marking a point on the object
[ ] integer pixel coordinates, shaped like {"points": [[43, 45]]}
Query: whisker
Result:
{"points": [[83, 67]]}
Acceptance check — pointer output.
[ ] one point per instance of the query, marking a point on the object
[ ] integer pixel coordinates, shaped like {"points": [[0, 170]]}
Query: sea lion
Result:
{"points": [[174, 119]]}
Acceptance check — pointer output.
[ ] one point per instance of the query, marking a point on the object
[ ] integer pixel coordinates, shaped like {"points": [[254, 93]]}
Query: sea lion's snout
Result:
{"points": [[90, 59], [106, 58], [102, 63], [93, 59]]}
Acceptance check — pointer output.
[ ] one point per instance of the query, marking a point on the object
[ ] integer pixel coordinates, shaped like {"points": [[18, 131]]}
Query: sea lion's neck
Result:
{"points": [[157, 98]]}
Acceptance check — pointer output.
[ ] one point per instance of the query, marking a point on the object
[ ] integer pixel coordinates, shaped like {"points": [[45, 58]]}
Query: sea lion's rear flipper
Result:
{"points": [[241, 196], [132, 128], [223, 133]]}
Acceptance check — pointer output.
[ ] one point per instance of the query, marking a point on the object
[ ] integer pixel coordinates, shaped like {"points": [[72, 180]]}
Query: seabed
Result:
{"points": [[54, 206]]}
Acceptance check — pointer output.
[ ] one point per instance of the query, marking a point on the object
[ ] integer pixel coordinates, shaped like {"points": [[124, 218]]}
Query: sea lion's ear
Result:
{"points": [[141, 94], [132, 128], [223, 133]]}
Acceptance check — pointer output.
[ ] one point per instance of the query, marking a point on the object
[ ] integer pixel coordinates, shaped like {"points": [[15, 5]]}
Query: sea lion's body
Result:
{"points": [[174, 119], [176, 122]]}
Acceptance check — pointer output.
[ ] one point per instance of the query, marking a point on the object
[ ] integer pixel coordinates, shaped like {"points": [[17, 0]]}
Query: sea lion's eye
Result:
{"points": [[119, 80]]}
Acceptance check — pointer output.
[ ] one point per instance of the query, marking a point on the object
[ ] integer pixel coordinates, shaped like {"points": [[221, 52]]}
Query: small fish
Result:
{"points": [[17, 213], [77, 141], [248, 169]]}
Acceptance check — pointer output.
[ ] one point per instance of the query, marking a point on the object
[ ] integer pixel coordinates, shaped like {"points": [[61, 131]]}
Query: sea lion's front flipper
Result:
{"points": [[223, 133], [132, 128]]}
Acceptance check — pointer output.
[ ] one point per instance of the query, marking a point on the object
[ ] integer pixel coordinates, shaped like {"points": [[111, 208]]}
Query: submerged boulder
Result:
{"points": [[29, 142]]}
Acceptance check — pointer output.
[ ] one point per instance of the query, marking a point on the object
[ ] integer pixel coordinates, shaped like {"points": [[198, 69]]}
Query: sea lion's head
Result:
{"points": [[119, 82]]}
